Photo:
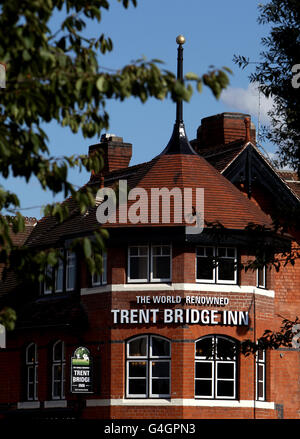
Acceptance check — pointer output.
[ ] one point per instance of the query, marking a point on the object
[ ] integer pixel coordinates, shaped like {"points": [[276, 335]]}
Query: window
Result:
{"points": [[58, 370], [101, 279], [260, 357], [148, 367], [261, 277], [160, 263], [70, 271], [216, 265], [48, 286], [157, 269], [59, 275], [31, 372], [215, 368]]}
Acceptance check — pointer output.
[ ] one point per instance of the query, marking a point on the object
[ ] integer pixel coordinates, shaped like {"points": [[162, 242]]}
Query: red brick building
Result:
{"points": [[163, 322]]}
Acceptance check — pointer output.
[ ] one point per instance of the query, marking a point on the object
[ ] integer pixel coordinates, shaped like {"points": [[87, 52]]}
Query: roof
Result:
{"points": [[291, 179], [18, 239], [178, 166]]}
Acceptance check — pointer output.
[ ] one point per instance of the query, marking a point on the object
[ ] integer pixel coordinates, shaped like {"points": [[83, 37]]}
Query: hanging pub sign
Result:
{"points": [[81, 371]]}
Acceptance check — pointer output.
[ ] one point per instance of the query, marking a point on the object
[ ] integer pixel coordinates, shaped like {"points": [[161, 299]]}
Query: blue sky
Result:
{"points": [[214, 32]]}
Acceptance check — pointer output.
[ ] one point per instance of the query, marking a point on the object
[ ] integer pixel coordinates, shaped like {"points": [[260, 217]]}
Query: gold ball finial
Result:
{"points": [[180, 39]]}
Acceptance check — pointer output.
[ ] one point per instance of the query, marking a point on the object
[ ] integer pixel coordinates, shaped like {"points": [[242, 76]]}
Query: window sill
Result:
{"points": [[190, 287], [55, 403], [179, 402], [28, 405]]}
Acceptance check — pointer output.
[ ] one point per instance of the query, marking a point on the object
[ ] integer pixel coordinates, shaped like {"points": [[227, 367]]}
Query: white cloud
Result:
{"points": [[250, 101]]}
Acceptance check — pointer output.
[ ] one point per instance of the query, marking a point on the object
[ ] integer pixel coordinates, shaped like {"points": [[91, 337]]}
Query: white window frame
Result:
{"points": [[257, 381], [149, 359], [166, 279], [143, 256], [34, 366], [207, 281], [149, 257], [101, 279], [221, 281], [58, 363], [71, 256], [264, 277], [59, 268], [215, 279], [214, 362], [48, 289]]}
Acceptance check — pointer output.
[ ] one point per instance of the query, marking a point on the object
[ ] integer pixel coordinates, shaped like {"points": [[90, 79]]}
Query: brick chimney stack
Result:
{"points": [[116, 154], [224, 128]]}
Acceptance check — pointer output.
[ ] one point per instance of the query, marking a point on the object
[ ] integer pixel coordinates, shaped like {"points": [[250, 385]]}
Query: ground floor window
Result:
{"points": [[148, 367], [215, 368], [260, 375], [31, 372], [58, 370]]}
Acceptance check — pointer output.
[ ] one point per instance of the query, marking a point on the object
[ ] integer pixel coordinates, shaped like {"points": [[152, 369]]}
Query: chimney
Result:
{"points": [[116, 154], [224, 128]]}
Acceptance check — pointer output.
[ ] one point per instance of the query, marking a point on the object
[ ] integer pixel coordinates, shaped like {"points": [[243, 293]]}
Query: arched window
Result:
{"points": [[58, 370], [31, 359], [216, 368], [148, 367]]}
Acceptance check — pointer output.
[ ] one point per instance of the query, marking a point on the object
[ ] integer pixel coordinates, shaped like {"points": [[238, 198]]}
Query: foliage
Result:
{"points": [[275, 77], [55, 75]]}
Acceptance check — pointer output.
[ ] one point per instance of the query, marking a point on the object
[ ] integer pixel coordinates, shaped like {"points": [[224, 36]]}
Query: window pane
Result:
{"points": [[203, 388], [204, 347], [222, 252], [205, 268], [30, 355], [225, 348], [260, 372], [225, 388], [225, 370], [261, 355], [166, 250], [139, 267], [161, 267], [260, 390], [137, 387], [160, 386], [138, 347], [58, 352], [30, 374], [261, 277], [226, 269], [59, 277], [160, 369], [30, 391], [57, 371], [203, 369], [137, 369], [57, 389], [160, 347]]}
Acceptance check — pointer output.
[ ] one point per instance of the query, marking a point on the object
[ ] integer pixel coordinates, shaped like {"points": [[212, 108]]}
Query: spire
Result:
{"points": [[179, 143]]}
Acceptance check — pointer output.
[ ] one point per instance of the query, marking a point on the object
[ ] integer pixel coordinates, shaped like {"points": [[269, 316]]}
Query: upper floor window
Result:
{"points": [[61, 277], [148, 367], [58, 370], [215, 368], [31, 359], [101, 278], [216, 265], [70, 270], [260, 357], [149, 263]]}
